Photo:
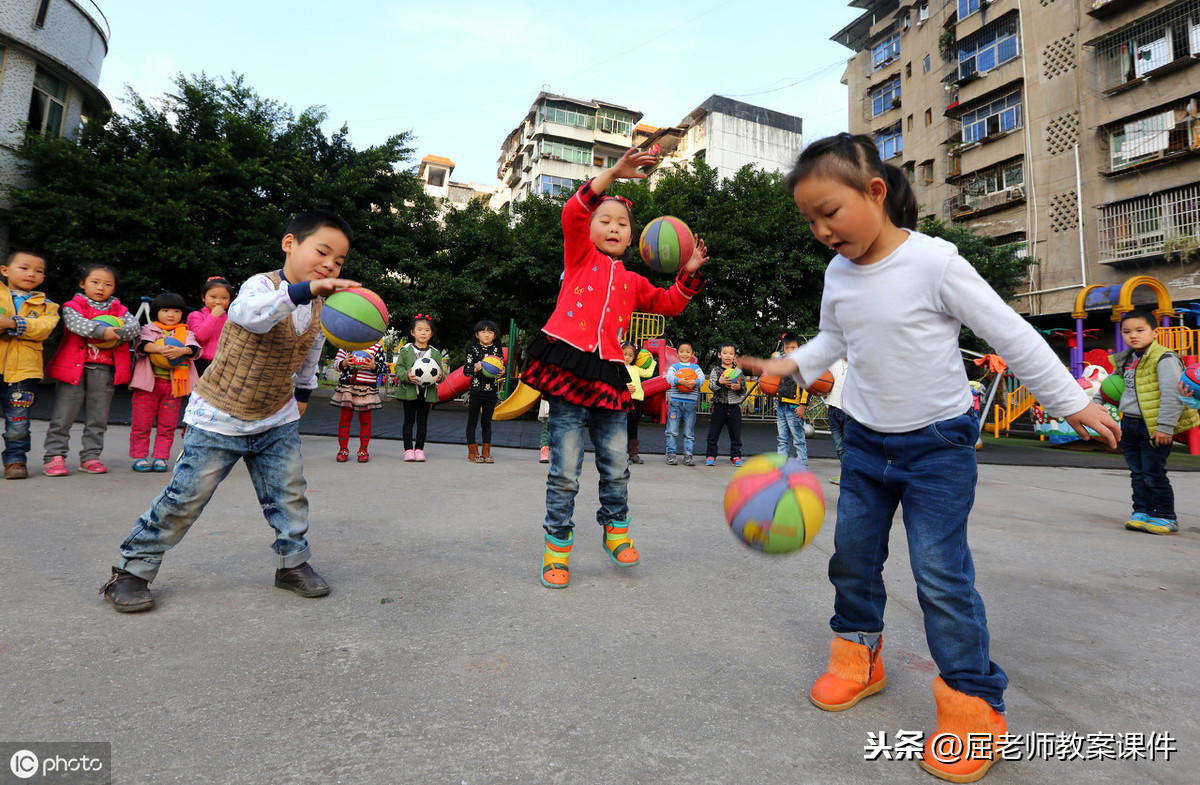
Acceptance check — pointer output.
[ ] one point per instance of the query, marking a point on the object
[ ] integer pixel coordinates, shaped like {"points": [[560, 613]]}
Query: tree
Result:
{"points": [[204, 183]]}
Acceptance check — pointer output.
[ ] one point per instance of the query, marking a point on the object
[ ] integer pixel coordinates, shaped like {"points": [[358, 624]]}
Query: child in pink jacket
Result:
{"points": [[206, 324], [163, 376]]}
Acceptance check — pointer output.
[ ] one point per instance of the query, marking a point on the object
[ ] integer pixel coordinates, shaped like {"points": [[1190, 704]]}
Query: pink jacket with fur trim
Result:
{"points": [[598, 294]]}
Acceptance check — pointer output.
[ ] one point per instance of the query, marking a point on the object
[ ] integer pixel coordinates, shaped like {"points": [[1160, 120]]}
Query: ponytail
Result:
{"points": [[855, 161]]}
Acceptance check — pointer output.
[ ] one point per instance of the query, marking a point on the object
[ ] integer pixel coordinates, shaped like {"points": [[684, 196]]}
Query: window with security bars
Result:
{"points": [[993, 187], [885, 96], [1148, 225], [1153, 136], [565, 151], [992, 46], [566, 114], [1168, 36], [994, 117]]}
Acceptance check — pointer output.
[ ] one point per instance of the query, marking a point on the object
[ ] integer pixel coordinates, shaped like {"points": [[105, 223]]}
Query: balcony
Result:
{"points": [[965, 205], [1102, 9], [1151, 140]]}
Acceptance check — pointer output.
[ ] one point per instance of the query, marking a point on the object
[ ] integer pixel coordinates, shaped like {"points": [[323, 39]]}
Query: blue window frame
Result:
{"points": [[890, 143], [967, 7], [1003, 114], [992, 46], [883, 96], [554, 186], [886, 51]]}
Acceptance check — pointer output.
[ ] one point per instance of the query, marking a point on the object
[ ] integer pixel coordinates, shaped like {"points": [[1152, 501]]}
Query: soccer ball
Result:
{"points": [[427, 371]]}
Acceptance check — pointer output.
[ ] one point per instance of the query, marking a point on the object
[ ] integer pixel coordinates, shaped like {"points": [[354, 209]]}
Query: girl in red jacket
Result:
{"points": [[92, 357], [577, 363]]}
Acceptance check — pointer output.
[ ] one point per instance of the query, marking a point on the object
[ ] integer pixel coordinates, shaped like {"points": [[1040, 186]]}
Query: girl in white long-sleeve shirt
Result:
{"points": [[893, 304]]}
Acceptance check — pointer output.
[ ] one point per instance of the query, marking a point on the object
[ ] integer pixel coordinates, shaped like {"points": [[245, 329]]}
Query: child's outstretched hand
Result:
{"points": [[323, 287], [1097, 418], [699, 257], [629, 167]]}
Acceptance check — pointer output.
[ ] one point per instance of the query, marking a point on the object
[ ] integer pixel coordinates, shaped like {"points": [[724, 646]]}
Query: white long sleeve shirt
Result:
{"points": [[897, 321]]}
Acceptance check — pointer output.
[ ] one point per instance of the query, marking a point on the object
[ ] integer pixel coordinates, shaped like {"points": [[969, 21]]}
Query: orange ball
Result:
{"points": [[822, 386], [768, 383]]}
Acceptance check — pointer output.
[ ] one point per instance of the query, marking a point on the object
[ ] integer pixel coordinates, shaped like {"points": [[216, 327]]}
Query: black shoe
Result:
{"points": [[303, 580], [127, 592]]}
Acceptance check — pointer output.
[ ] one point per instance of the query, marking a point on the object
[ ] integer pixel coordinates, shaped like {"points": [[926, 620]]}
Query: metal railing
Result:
{"points": [[93, 12]]}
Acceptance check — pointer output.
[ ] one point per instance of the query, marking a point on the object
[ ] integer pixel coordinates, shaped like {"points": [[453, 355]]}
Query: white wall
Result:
{"points": [[732, 143]]}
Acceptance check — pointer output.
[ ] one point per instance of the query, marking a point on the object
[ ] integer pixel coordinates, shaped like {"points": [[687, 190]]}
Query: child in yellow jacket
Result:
{"points": [[26, 320]]}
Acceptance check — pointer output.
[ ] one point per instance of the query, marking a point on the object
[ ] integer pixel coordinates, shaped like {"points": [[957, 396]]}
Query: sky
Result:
{"points": [[461, 74]]}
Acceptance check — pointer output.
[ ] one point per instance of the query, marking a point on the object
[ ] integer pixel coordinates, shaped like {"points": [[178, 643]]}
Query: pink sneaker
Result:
{"points": [[410, 455], [56, 467], [420, 456], [93, 467], [545, 458]]}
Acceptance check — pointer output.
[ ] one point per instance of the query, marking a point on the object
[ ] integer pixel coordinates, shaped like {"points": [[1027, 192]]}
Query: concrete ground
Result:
{"points": [[439, 657]]}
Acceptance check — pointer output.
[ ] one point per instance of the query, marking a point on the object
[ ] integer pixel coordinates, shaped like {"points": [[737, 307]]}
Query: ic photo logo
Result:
{"points": [[23, 764]]}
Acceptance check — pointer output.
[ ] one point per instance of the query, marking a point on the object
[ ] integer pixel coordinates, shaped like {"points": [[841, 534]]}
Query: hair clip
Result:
{"points": [[628, 204], [215, 278], [420, 316]]}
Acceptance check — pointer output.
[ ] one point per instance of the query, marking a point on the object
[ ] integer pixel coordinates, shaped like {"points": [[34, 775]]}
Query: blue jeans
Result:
{"points": [[681, 411], [276, 471], [789, 427], [931, 472], [608, 431], [15, 400], [837, 429], [1152, 491]]}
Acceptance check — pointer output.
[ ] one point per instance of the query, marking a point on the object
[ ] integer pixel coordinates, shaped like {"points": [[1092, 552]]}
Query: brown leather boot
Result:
{"points": [[303, 580], [854, 672], [633, 452], [473, 453], [127, 593], [486, 457]]}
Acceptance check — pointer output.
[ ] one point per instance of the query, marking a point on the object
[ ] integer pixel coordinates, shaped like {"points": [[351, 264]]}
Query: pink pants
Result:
{"points": [[155, 409]]}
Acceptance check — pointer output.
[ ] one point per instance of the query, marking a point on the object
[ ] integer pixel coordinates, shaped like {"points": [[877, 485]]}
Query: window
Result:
{"points": [[1148, 224], [927, 172], [1151, 137], [923, 14], [48, 104], [1149, 44], [991, 188], [967, 7], [926, 63], [992, 46], [999, 116], [908, 70], [928, 117], [437, 177], [890, 143], [885, 97], [565, 151], [553, 186], [886, 51], [614, 122], [612, 161], [910, 122], [566, 114], [910, 172]]}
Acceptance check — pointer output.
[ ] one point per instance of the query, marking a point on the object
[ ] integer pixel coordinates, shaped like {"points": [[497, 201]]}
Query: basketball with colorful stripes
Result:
{"points": [[774, 505], [1191, 380], [493, 366], [1112, 388], [643, 359], [354, 319], [108, 320], [666, 243], [732, 374], [161, 360]]}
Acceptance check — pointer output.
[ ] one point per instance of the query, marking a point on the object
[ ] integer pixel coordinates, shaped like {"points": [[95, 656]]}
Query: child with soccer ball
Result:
{"points": [[417, 387]]}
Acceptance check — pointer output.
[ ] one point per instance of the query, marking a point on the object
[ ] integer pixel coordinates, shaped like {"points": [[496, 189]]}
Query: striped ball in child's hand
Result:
{"points": [[354, 318], [1191, 380], [731, 374], [774, 504], [161, 360], [108, 320], [666, 243], [492, 366], [643, 359], [1112, 388]]}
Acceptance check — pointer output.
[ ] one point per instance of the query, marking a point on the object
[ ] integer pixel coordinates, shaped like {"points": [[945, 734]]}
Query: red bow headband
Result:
{"points": [[422, 316]]}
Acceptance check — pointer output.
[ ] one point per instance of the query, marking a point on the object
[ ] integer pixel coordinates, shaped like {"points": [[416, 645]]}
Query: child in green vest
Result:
{"points": [[1150, 421]]}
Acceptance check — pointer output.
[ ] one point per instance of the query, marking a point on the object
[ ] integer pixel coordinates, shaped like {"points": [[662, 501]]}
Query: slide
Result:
{"points": [[522, 400], [655, 390]]}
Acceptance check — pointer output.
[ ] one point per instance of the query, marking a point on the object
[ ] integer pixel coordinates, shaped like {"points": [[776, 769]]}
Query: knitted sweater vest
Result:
{"points": [[251, 375]]}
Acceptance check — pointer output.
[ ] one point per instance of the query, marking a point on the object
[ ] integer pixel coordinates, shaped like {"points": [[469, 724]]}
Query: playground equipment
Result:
{"points": [[522, 399]]}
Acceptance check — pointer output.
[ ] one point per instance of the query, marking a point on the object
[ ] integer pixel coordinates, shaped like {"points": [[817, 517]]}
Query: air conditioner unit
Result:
{"points": [[1015, 192]]}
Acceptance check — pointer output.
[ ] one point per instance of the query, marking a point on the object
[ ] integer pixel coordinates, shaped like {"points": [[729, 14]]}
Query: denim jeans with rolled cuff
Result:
{"points": [[607, 429], [681, 411]]}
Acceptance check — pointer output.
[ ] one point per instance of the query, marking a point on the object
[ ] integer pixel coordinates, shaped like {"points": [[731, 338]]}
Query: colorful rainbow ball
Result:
{"points": [[109, 321], [493, 366], [774, 505], [354, 319], [1191, 380], [1112, 388], [161, 360], [732, 374], [644, 359], [666, 243]]}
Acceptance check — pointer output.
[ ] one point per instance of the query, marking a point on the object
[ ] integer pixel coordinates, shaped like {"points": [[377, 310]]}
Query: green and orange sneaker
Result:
{"points": [[618, 545], [556, 571]]}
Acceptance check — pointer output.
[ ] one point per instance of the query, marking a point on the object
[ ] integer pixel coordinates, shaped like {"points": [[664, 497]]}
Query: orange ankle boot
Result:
{"points": [[854, 672], [970, 719]]}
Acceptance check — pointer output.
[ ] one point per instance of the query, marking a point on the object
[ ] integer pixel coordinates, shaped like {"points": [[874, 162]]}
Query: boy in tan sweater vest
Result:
{"points": [[247, 406]]}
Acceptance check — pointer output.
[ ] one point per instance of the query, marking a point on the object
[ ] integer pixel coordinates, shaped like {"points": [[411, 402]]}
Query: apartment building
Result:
{"points": [[434, 173], [727, 134], [50, 60], [559, 141], [1071, 127]]}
